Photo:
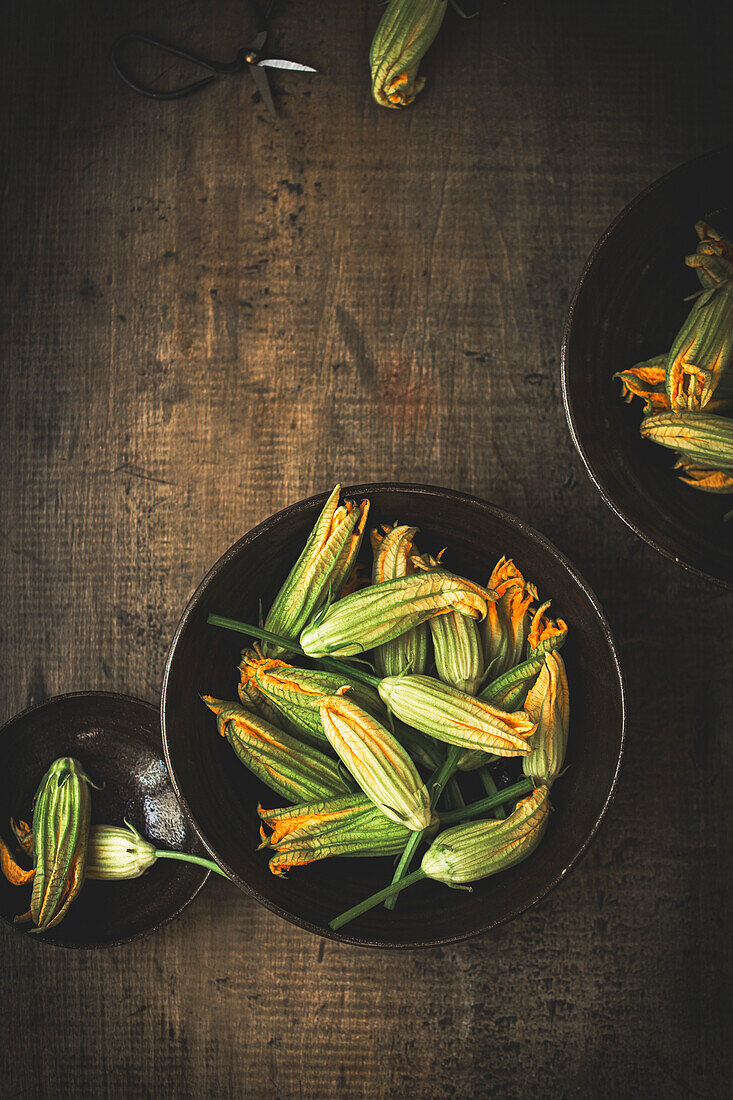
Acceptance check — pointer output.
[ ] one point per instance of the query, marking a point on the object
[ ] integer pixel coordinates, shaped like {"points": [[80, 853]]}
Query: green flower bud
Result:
{"points": [[374, 615], [251, 695], [379, 764], [60, 837], [407, 652], [291, 768], [347, 826], [458, 719], [705, 439], [510, 689], [459, 656], [548, 704], [296, 692], [403, 37], [700, 362], [117, 852], [477, 849], [322, 569]]}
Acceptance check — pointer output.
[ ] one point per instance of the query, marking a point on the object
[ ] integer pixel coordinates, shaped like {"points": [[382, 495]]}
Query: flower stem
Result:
{"points": [[435, 786], [452, 797], [254, 631], [329, 663], [375, 899], [509, 794], [161, 853], [491, 789]]}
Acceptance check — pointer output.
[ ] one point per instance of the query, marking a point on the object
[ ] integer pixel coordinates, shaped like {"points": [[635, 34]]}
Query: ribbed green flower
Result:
{"points": [[374, 615], [704, 439], [403, 37], [291, 768], [478, 849], [322, 569], [507, 621], [509, 690], [113, 853], [118, 852], [61, 818], [459, 655], [702, 354], [347, 826], [408, 652], [379, 764], [700, 361], [458, 719], [252, 696], [548, 704], [296, 692]]}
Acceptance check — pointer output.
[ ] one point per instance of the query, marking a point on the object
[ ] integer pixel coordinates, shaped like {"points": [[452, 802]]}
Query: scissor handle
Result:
{"points": [[248, 56]]}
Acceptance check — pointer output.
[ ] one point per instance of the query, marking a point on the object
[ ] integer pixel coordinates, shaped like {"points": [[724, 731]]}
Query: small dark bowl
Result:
{"points": [[628, 306], [117, 740], [221, 796]]}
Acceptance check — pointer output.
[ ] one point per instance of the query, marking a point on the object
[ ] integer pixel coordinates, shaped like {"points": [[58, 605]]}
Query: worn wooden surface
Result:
{"points": [[206, 316]]}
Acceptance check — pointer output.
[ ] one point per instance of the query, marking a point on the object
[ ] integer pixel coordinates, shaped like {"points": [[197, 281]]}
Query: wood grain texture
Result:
{"points": [[206, 316]]}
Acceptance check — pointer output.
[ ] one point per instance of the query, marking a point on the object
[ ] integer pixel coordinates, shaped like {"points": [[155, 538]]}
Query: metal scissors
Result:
{"points": [[249, 57]]}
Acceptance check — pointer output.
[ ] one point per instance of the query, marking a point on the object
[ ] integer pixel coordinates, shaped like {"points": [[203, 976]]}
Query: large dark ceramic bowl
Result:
{"points": [[117, 740], [222, 797], [628, 306]]}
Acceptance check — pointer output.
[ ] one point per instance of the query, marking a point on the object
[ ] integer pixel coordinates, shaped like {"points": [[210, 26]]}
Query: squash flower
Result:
{"points": [[289, 767], [321, 571], [505, 626], [548, 704], [478, 849], [350, 825], [408, 652], [405, 33], [380, 765]]}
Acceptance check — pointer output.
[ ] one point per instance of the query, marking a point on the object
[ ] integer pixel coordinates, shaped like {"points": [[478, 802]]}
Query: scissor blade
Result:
{"points": [[277, 63], [260, 78]]}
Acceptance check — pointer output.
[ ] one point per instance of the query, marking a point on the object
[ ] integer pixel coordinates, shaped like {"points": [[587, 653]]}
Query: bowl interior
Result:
{"points": [[628, 307], [222, 796], [117, 740]]}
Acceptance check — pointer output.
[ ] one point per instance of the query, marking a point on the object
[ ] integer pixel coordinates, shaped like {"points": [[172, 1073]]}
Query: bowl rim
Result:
{"points": [[119, 698], [362, 490], [596, 478]]}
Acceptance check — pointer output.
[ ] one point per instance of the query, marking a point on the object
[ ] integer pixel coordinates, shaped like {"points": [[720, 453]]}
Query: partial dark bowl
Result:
{"points": [[628, 306], [117, 740], [221, 796]]}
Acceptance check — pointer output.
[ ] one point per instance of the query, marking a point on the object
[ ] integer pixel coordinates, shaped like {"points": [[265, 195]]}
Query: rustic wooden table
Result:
{"points": [[207, 315]]}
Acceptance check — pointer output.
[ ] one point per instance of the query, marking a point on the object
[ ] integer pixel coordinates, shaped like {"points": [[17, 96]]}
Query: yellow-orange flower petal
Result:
{"points": [[545, 633], [13, 872], [646, 380], [504, 630], [710, 481]]}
